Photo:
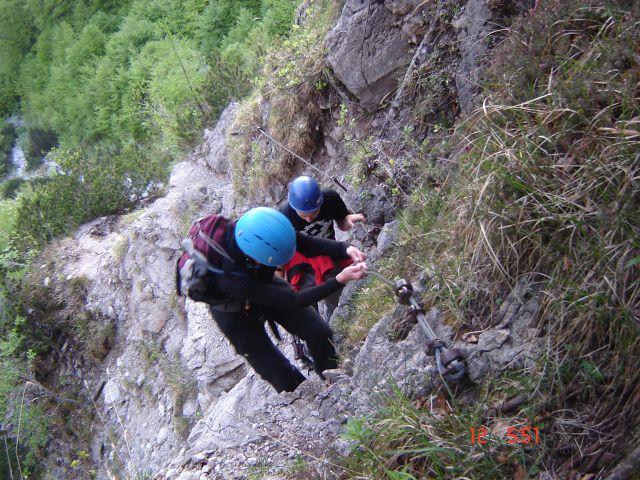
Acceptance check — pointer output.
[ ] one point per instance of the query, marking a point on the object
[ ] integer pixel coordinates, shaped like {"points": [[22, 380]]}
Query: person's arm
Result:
{"points": [[339, 211], [278, 293], [311, 246]]}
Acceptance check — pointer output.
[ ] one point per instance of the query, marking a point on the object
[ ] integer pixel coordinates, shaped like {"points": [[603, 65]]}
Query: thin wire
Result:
{"points": [[384, 279], [184, 71], [306, 162], [6, 447]]}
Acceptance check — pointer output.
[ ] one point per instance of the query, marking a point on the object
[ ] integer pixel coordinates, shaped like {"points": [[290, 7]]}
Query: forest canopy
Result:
{"points": [[123, 87]]}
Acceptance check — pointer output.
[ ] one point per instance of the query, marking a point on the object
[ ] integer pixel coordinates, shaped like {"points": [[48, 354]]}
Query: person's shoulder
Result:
{"points": [[330, 195], [334, 202]]}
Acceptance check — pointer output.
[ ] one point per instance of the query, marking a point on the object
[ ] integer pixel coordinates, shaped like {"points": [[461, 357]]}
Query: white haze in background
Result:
{"points": [[19, 162]]}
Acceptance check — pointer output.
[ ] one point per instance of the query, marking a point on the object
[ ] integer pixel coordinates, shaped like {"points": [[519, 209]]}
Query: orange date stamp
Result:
{"points": [[514, 435]]}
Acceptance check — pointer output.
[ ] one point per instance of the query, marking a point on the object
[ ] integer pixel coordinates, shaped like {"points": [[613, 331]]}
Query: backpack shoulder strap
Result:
{"points": [[215, 245]]}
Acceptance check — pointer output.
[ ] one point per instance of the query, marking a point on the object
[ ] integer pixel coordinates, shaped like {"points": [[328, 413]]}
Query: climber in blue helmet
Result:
{"points": [[313, 211], [305, 195], [248, 293]]}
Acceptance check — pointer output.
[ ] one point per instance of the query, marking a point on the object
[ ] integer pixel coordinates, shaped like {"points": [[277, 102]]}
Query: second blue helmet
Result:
{"points": [[266, 235], [305, 195]]}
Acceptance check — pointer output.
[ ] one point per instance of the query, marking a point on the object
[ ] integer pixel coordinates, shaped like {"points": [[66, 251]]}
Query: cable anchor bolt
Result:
{"points": [[404, 291]]}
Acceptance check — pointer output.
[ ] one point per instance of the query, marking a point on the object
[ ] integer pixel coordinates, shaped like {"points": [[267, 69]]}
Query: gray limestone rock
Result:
{"points": [[111, 392], [493, 339], [472, 26], [387, 236], [367, 51], [212, 152], [476, 28]]}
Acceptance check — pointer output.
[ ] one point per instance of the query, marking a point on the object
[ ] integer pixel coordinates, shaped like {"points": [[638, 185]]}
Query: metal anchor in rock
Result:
{"points": [[450, 362]]}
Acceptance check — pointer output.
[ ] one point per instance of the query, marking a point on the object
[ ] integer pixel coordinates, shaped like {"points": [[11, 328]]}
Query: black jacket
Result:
{"points": [[257, 285]]}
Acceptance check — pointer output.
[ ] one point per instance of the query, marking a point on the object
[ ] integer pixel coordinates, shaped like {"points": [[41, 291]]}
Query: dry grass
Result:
{"points": [[555, 193], [181, 384], [243, 133], [60, 305], [548, 187], [370, 303], [293, 84], [429, 88], [431, 437], [294, 120]]}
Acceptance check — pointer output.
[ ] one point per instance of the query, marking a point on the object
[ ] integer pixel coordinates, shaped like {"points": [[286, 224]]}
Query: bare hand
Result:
{"points": [[355, 254], [353, 218], [352, 272], [347, 222]]}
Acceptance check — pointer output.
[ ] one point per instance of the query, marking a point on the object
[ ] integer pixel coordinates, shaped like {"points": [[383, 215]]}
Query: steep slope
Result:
{"points": [[168, 397]]}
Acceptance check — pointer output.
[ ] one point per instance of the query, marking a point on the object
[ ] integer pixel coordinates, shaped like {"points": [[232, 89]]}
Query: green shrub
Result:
{"points": [[219, 17], [47, 211], [129, 85], [16, 25], [119, 89], [277, 15], [26, 420]]}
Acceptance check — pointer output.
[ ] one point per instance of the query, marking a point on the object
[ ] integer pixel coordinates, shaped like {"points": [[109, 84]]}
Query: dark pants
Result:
{"points": [[248, 336]]}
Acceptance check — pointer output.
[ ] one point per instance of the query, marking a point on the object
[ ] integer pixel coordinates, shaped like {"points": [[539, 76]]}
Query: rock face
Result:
{"points": [[373, 45], [368, 51], [472, 27], [476, 28], [176, 402], [174, 396], [171, 364]]}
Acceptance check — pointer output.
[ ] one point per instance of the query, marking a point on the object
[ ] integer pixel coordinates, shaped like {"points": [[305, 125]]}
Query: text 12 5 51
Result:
{"points": [[515, 435]]}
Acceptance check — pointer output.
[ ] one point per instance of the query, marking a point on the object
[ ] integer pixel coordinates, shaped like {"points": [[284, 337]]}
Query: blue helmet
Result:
{"points": [[305, 195], [266, 235]]}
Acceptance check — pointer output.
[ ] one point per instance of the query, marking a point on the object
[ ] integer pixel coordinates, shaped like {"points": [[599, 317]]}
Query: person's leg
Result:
{"points": [[307, 324], [249, 338], [331, 302], [308, 279]]}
